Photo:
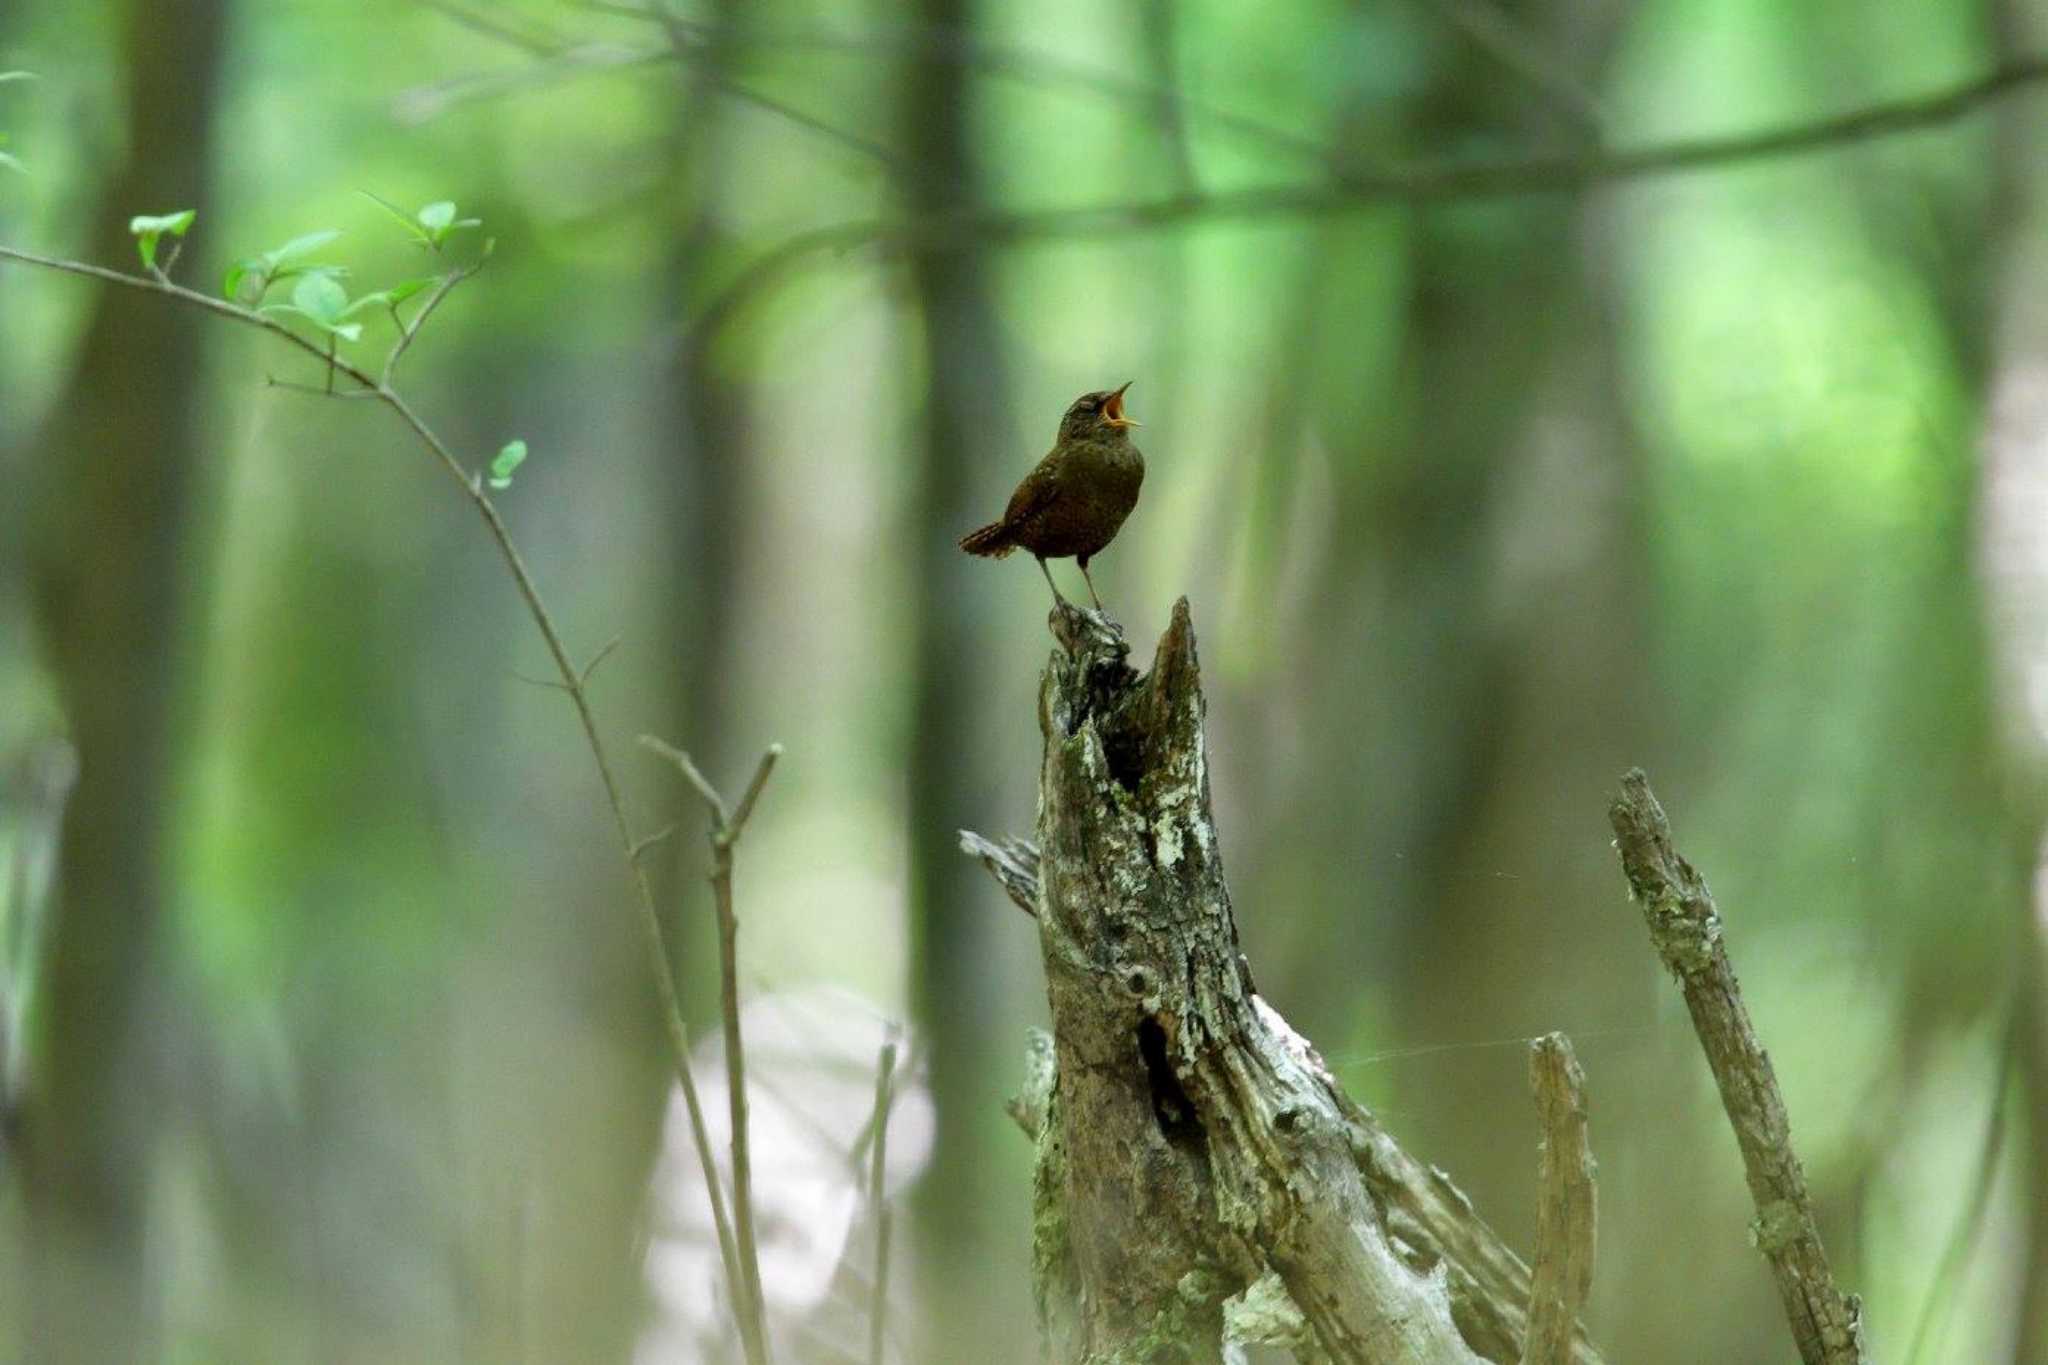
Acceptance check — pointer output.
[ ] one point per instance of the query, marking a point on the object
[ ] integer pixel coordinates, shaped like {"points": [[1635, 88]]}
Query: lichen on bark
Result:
{"points": [[1193, 1147]]}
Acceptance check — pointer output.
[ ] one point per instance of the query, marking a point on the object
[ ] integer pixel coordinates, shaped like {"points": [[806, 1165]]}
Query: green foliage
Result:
{"points": [[509, 459], [320, 297], [279, 263], [149, 229], [400, 292], [431, 225]]}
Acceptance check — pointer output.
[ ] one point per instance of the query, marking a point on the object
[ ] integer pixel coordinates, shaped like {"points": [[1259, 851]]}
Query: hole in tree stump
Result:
{"points": [[1171, 1107]]}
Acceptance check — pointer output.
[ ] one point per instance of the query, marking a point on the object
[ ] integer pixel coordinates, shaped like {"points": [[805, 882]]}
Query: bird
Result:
{"points": [[1076, 499]]}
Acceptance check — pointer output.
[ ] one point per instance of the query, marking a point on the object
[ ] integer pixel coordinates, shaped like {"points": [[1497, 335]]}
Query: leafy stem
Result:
{"points": [[572, 679]]}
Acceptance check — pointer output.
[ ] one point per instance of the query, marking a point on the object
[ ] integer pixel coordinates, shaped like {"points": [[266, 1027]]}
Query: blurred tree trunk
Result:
{"points": [[110, 492], [706, 485], [965, 402], [1481, 589], [2012, 501]]}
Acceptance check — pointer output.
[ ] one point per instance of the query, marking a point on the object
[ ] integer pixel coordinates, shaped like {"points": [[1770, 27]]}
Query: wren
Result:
{"points": [[1075, 500]]}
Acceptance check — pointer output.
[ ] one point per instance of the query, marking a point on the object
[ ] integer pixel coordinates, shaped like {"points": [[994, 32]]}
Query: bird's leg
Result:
{"points": [[1100, 610], [1050, 584]]}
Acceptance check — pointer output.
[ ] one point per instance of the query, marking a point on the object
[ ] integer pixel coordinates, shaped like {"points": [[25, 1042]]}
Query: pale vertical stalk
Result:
{"points": [[725, 833], [878, 1201]]}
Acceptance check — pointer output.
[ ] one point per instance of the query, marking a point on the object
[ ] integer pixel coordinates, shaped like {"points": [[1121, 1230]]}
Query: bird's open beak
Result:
{"points": [[1113, 410]]}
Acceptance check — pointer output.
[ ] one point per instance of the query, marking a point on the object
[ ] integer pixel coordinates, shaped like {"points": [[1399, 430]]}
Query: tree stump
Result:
{"points": [[1202, 1181]]}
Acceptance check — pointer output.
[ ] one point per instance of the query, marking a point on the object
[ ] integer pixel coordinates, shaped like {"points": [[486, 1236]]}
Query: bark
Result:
{"points": [[1202, 1180], [1686, 930], [1565, 1209]]}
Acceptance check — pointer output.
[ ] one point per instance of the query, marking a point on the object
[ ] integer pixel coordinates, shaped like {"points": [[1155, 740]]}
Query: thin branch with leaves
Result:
{"points": [[436, 222]]}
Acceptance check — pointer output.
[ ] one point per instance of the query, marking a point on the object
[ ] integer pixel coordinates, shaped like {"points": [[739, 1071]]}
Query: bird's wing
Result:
{"points": [[1038, 491]]}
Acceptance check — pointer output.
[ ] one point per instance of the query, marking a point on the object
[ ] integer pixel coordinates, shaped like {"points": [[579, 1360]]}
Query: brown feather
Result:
{"points": [[992, 540]]}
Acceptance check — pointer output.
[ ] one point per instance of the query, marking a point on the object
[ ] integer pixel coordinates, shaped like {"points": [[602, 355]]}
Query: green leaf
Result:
{"points": [[405, 289], [297, 247], [509, 459], [439, 220], [231, 286], [404, 219], [12, 163], [320, 297], [347, 331], [276, 264], [6, 76], [159, 224], [150, 228]]}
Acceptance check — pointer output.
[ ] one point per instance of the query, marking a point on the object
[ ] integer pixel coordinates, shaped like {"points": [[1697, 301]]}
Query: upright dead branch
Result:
{"points": [[1565, 1207], [1686, 929], [1202, 1180], [726, 827], [878, 1200]]}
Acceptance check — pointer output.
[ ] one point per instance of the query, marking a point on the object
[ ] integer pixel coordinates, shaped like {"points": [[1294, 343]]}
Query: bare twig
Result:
{"points": [[878, 1201], [424, 102], [407, 332], [687, 766], [1685, 928], [1013, 863], [962, 48], [1495, 32], [647, 841], [544, 622], [537, 43], [551, 684], [701, 59], [1563, 1270], [170, 261], [1570, 172], [604, 652], [187, 296], [318, 391], [745, 809], [564, 63], [725, 832]]}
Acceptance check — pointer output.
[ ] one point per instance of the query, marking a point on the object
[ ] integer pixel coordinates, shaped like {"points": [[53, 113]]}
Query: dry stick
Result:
{"points": [[1686, 931], [726, 828], [878, 1311], [1563, 1270], [572, 680]]}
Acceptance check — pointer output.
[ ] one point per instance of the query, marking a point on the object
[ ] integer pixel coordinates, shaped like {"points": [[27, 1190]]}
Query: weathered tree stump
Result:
{"points": [[1202, 1180]]}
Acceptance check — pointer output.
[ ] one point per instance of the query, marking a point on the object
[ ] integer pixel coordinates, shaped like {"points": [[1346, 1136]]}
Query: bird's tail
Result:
{"points": [[992, 540]]}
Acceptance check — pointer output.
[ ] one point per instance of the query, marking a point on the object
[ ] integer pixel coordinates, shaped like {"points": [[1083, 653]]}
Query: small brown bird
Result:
{"points": [[1076, 499]]}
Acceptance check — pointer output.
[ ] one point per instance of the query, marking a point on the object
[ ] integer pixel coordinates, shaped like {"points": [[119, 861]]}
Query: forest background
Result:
{"points": [[1491, 461]]}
